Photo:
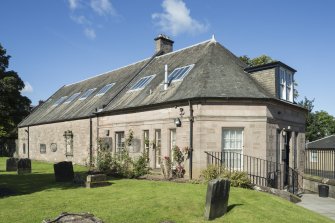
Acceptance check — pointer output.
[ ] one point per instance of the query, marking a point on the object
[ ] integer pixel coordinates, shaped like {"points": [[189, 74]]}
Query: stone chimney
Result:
{"points": [[164, 43]]}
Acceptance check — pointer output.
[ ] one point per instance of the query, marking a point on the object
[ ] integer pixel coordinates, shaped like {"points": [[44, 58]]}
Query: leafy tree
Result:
{"points": [[263, 59], [318, 124], [13, 106]]}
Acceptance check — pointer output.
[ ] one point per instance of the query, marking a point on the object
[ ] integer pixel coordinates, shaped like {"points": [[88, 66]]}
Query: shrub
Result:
{"points": [[240, 179], [104, 160], [121, 164], [141, 166], [166, 167], [237, 178], [211, 172]]}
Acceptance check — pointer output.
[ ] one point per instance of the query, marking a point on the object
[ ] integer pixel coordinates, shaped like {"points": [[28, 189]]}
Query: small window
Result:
{"points": [[87, 94], [119, 142], [105, 89], [286, 85], [146, 142], [314, 156], [43, 148], [179, 73], [144, 81], [157, 147], [60, 101], [74, 96], [24, 148], [172, 142]]}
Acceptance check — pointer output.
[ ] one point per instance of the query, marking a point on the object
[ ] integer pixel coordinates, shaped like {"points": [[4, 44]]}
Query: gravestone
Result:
{"points": [[74, 218], [96, 180], [24, 166], [11, 164], [63, 171], [217, 198]]}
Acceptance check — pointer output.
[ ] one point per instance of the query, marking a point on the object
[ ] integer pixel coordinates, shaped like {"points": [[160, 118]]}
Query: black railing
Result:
{"points": [[260, 171], [320, 162]]}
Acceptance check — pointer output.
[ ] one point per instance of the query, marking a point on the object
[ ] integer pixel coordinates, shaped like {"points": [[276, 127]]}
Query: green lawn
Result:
{"points": [[39, 197]]}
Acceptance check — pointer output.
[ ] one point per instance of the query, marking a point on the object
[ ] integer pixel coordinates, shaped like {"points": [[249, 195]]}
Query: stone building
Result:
{"points": [[202, 97]]}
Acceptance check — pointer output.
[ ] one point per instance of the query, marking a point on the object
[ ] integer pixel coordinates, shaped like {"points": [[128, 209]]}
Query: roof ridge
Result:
{"points": [[210, 40], [320, 139], [107, 72], [185, 48]]}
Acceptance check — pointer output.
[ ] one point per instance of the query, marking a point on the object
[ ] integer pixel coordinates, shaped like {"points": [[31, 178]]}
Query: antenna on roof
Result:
{"points": [[213, 38]]}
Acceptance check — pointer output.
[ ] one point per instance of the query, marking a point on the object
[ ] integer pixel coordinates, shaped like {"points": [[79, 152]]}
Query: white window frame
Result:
{"points": [[86, 94], [184, 75], [286, 85], [106, 88], [158, 147], [173, 142], [146, 147], [119, 142], [233, 150], [150, 78], [313, 156]]}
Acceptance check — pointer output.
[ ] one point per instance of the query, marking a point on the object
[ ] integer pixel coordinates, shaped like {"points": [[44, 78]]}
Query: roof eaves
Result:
{"points": [[268, 66]]}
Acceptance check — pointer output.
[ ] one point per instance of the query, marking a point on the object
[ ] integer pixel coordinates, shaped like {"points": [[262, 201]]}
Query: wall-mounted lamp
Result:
{"points": [[107, 132], [177, 122]]}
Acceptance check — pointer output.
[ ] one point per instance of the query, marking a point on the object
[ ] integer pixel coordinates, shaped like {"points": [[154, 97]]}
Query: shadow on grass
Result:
{"points": [[230, 207], [14, 184]]}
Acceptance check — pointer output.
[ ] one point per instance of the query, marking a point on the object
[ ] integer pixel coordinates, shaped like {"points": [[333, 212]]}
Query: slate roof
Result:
{"points": [[324, 143], [217, 73]]}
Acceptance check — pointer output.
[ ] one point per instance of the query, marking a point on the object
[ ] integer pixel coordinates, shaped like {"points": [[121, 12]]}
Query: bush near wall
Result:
{"points": [[237, 178]]}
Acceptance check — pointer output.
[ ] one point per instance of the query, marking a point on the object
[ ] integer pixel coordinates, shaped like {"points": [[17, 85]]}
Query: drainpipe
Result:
{"points": [[191, 139], [28, 143], [91, 143]]}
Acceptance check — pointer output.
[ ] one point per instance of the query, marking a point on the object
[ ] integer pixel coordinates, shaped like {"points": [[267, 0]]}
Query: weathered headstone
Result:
{"points": [[97, 180], [217, 198], [11, 164], [63, 171], [74, 218], [24, 166]]}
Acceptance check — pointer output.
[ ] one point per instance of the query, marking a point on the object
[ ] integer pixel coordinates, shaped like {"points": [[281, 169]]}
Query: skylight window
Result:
{"points": [[105, 89], [74, 96], [179, 73], [144, 81], [60, 101], [87, 93]]}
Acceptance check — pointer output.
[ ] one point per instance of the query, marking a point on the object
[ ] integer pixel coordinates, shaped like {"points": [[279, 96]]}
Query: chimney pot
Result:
{"points": [[164, 44]]}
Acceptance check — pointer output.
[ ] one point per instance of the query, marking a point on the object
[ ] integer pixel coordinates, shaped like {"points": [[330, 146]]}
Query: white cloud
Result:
{"points": [[103, 7], [73, 4], [27, 88], [82, 20], [81, 10], [176, 19], [90, 33]]}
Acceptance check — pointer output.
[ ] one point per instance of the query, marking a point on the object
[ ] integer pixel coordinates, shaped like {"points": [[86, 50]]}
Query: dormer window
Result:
{"points": [[286, 84]]}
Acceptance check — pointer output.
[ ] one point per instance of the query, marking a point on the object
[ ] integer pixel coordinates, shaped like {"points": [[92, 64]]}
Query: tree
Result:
{"points": [[318, 124], [263, 59], [13, 106]]}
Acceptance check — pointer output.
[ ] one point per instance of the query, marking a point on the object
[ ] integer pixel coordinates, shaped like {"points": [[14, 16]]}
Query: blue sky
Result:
{"points": [[53, 43]]}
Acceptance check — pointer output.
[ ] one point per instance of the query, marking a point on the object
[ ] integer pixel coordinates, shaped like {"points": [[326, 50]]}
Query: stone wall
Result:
{"points": [[52, 136], [267, 80], [259, 123], [310, 184]]}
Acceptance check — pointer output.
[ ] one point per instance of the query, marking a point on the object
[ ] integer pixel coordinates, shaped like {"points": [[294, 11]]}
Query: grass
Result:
{"points": [[38, 197]]}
